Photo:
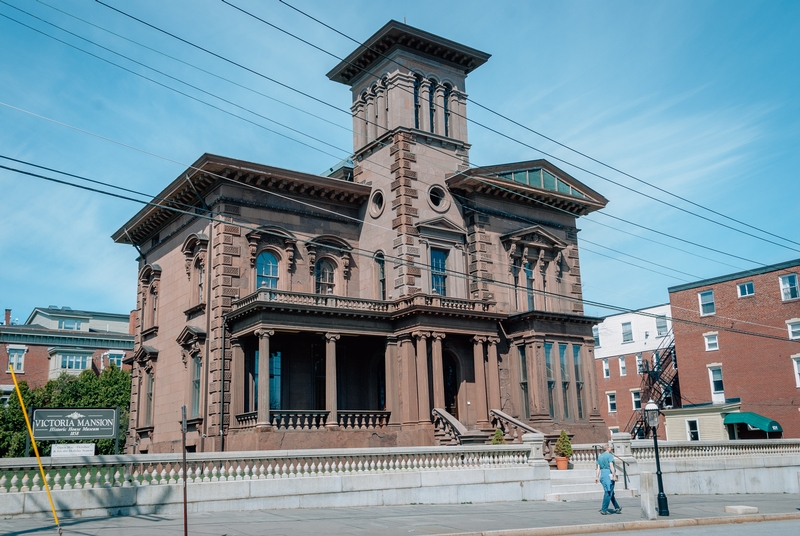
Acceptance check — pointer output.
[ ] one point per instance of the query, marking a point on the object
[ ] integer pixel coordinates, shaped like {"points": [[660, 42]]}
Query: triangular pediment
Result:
{"points": [[190, 335], [441, 224], [534, 236]]}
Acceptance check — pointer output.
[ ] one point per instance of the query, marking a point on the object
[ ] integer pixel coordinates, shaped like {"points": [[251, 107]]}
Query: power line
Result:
{"points": [[550, 155], [246, 224]]}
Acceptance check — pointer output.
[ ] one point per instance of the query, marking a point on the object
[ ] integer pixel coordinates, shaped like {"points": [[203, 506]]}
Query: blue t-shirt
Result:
{"points": [[604, 460]]}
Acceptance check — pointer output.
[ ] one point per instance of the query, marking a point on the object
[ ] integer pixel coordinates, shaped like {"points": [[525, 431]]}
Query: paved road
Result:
{"points": [[414, 519]]}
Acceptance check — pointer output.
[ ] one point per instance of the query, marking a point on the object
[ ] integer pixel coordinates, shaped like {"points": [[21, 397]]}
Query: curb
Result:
{"points": [[634, 525]]}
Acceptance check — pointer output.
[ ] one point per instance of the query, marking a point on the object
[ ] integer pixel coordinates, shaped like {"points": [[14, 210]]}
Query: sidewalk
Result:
{"points": [[571, 518]]}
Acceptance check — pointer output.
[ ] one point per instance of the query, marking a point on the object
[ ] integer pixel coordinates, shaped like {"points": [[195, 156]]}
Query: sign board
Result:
{"points": [[71, 449], [75, 423]]}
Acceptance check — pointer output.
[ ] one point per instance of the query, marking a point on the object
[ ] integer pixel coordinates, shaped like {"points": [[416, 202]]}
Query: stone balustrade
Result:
{"points": [[363, 420], [247, 420], [643, 448], [298, 419]]}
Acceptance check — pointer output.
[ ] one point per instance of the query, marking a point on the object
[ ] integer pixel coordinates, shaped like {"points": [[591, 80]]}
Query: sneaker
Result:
{"points": [[605, 512], [618, 510]]}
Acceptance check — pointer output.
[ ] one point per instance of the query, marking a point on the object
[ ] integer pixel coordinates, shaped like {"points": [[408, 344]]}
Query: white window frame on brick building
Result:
{"points": [[623, 370], [16, 357], [611, 398], [743, 290], [711, 340], [606, 369], [793, 326], [112, 356], [661, 326], [639, 364], [716, 383], [789, 287], [796, 364], [636, 399], [707, 306], [690, 430]]}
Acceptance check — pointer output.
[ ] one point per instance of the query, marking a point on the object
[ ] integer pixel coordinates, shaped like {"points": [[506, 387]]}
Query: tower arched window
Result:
{"points": [[266, 270], [417, 86], [380, 265], [325, 276], [446, 109], [432, 105]]}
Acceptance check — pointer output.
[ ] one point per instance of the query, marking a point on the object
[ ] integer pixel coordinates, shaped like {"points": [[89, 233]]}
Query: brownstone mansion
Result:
{"points": [[402, 299]]}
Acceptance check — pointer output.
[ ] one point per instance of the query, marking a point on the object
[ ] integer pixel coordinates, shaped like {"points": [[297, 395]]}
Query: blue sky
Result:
{"points": [[698, 98]]}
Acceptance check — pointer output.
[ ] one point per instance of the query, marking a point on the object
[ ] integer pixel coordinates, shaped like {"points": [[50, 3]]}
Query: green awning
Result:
{"points": [[753, 419]]}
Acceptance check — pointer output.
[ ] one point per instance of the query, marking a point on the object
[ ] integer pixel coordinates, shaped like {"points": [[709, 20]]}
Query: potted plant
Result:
{"points": [[499, 438], [563, 451]]}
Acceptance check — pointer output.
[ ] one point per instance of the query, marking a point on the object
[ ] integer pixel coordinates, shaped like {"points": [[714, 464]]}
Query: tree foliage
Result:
{"points": [[563, 445], [110, 389]]}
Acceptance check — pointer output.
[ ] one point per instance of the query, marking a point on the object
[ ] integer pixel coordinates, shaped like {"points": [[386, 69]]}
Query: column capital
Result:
{"points": [[332, 337], [478, 339], [421, 334], [262, 333], [493, 340], [438, 335], [236, 341]]}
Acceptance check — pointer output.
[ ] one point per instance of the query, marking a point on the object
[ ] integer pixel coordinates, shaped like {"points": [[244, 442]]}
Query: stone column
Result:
{"points": [[438, 99], [424, 106], [263, 335], [330, 379], [380, 105], [481, 413], [237, 380], [591, 379], [370, 119], [390, 380], [423, 399], [493, 373], [438, 370], [408, 381]]}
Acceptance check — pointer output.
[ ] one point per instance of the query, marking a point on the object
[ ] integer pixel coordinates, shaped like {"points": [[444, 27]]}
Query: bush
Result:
{"points": [[563, 446], [499, 437]]}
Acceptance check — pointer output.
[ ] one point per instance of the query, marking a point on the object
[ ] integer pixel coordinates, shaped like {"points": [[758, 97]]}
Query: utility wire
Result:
{"points": [[245, 224], [565, 146], [349, 114]]}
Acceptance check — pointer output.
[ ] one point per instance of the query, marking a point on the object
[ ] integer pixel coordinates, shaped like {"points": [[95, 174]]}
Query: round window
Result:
{"points": [[438, 198], [376, 204]]}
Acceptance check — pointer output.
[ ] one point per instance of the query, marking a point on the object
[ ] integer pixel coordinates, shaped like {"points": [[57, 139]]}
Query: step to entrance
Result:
{"points": [[579, 485], [595, 495]]}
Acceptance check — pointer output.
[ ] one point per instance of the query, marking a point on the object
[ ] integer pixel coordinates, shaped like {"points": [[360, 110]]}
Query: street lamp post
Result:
{"points": [[652, 412]]}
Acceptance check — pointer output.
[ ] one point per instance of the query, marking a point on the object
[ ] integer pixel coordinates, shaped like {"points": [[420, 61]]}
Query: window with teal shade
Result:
{"points": [[275, 397], [521, 177], [562, 186], [266, 270], [439, 271], [535, 178], [549, 180]]}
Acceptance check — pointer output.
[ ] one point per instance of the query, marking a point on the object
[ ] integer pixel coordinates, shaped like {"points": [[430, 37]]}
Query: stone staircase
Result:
{"points": [[578, 485]]}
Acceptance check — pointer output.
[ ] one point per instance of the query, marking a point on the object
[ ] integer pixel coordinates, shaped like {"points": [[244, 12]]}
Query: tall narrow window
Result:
{"points": [[447, 93], [380, 265], [326, 275], [197, 366], [576, 362], [707, 305], [661, 326], [692, 430], [623, 370], [266, 270], [596, 335], [627, 332], [149, 382], [16, 359], [639, 364], [523, 380], [251, 382], [200, 274], [717, 387], [562, 359], [606, 369], [432, 105], [439, 271], [612, 402], [275, 397], [551, 383], [789, 288], [417, 85], [636, 397], [529, 280]]}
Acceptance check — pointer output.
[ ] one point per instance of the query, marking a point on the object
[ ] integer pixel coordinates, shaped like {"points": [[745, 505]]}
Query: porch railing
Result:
{"points": [[247, 420], [512, 428], [642, 449], [362, 420], [298, 419], [302, 299]]}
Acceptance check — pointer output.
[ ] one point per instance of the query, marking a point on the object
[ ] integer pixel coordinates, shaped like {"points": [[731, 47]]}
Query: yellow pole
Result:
{"points": [[33, 442]]}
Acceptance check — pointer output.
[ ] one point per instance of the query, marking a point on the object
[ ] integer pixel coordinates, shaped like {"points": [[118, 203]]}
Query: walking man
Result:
{"points": [[606, 474]]}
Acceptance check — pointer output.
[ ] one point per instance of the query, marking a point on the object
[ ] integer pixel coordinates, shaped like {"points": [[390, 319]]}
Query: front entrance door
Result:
{"points": [[451, 384]]}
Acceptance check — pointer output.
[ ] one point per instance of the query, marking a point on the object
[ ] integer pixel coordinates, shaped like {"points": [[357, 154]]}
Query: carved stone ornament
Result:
{"points": [[194, 244], [191, 341], [312, 256]]}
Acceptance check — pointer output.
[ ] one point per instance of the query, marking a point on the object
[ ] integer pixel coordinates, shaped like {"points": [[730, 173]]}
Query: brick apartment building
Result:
{"points": [[54, 340], [627, 345], [738, 341], [342, 310]]}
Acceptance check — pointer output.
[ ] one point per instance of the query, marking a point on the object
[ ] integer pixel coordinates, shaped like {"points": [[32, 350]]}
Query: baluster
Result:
{"points": [[80, 481], [270, 473], [163, 480], [3, 483], [339, 466], [306, 469], [261, 469], [238, 471], [284, 470], [14, 483], [246, 470], [57, 479], [37, 482], [107, 483]]}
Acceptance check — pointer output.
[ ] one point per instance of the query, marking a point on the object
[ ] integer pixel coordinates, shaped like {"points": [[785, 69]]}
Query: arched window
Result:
{"points": [[417, 85], [432, 105], [266, 270], [325, 275], [199, 283], [380, 264], [446, 104]]}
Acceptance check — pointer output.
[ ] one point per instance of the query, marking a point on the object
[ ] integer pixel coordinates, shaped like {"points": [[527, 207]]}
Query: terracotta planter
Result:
{"points": [[562, 463]]}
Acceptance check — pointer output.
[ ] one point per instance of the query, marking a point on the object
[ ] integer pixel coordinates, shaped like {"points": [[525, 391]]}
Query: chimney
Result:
{"points": [[8, 317]]}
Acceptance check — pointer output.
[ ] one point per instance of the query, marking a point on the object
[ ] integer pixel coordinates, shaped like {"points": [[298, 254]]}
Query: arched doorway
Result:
{"points": [[451, 384]]}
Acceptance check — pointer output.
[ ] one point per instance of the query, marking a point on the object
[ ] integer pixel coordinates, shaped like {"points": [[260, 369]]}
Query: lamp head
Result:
{"points": [[651, 411]]}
